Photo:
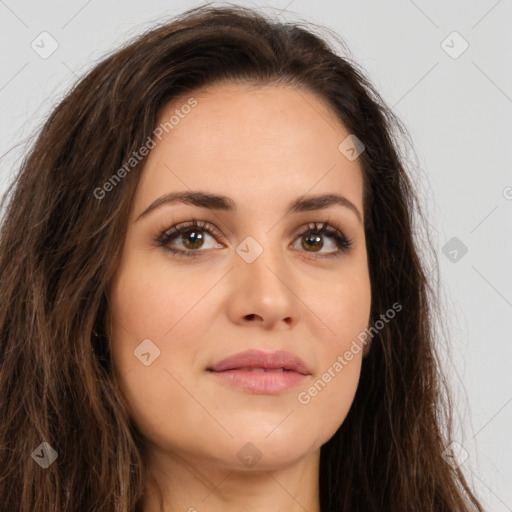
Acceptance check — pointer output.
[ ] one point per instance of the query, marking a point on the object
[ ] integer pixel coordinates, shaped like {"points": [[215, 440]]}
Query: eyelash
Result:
{"points": [[343, 243]]}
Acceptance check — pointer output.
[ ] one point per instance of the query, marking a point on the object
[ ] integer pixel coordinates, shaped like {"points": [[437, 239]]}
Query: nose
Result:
{"points": [[262, 290]]}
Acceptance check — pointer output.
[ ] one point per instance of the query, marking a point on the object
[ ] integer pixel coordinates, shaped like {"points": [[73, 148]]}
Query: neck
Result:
{"points": [[183, 484]]}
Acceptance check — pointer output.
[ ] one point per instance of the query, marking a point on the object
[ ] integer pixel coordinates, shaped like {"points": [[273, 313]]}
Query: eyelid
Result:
{"points": [[325, 228], [207, 226], [193, 224]]}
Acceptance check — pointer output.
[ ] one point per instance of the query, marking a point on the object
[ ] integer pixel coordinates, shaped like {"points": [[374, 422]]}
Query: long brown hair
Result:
{"points": [[61, 243]]}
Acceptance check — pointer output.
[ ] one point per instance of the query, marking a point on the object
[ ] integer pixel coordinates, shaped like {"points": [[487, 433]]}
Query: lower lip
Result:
{"points": [[263, 383]]}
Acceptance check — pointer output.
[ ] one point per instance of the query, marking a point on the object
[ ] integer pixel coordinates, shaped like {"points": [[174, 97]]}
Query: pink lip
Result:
{"points": [[235, 371]]}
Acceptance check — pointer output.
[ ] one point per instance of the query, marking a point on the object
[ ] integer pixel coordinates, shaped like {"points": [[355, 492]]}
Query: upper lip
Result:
{"points": [[259, 359]]}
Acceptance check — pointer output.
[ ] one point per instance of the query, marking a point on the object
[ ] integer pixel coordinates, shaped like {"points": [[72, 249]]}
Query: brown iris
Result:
{"points": [[197, 239], [312, 239]]}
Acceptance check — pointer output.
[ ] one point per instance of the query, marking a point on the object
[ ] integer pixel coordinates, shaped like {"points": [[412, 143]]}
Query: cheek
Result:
{"points": [[148, 301], [327, 400], [148, 312], [150, 378], [341, 306], [342, 313]]}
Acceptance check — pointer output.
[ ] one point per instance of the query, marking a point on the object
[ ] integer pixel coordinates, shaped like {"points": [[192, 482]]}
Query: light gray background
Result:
{"points": [[458, 111]]}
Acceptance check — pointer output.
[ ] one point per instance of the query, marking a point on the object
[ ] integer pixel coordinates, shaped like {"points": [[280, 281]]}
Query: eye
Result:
{"points": [[311, 239], [193, 239]]}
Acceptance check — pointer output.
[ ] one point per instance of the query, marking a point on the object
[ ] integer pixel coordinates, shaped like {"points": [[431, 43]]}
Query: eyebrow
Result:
{"points": [[224, 203]]}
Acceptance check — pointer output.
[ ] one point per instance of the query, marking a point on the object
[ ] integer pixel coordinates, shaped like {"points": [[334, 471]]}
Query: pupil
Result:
{"points": [[312, 239], [192, 234]]}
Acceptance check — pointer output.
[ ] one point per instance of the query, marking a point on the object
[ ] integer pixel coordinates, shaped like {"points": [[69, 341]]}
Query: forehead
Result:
{"points": [[270, 143]]}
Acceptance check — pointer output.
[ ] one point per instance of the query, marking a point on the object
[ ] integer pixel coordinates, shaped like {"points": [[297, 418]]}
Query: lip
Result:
{"points": [[275, 372]]}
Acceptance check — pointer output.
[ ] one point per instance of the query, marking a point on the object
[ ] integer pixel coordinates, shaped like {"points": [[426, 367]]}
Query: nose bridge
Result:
{"points": [[263, 247], [259, 251], [262, 273]]}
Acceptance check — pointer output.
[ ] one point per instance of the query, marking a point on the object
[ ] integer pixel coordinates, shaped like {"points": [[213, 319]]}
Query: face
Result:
{"points": [[255, 275]]}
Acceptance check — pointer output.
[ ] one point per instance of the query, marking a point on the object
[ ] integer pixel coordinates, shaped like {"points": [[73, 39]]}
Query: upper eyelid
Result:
{"points": [[208, 226], [191, 224]]}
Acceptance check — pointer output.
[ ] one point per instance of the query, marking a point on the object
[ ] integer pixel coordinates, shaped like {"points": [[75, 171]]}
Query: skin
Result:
{"points": [[263, 147]]}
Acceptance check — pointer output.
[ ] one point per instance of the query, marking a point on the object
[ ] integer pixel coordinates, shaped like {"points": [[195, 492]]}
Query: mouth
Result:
{"points": [[256, 360], [260, 381], [261, 373], [248, 369]]}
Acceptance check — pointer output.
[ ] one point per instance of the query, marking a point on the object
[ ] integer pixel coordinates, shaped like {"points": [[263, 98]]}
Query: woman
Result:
{"points": [[212, 297]]}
